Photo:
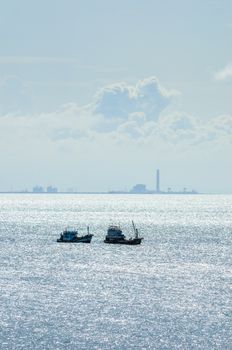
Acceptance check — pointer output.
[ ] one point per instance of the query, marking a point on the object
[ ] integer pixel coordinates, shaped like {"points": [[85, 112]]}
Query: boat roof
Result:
{"points": [[114, 227]]}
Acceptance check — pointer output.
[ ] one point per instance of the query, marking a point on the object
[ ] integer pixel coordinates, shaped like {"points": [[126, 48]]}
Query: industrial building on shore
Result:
{"points": [[142, 189]]}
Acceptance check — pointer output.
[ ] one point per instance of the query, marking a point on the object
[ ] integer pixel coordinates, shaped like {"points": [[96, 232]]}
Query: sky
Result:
{"points": [[95, 95]]}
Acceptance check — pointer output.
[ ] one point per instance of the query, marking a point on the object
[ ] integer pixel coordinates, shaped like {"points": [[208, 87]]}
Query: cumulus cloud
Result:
{"points": [[225, 73], [122, 124], [123, 111], [120, 100]]}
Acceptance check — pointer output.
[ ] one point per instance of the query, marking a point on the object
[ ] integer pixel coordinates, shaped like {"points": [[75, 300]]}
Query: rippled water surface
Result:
{"points": [[171, 292]]}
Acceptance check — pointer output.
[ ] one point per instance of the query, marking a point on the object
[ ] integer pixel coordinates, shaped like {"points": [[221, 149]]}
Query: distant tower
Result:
{"points": [[157, 181]]}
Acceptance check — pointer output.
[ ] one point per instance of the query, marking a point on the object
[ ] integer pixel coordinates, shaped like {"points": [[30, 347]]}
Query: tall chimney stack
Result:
{"points": [[157, 181]]}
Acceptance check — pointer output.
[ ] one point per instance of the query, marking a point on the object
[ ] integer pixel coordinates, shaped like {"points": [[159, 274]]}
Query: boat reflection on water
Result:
{"points": [[115, 236]]}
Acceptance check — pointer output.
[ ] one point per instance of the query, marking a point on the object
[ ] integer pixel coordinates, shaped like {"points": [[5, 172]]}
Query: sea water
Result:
{"points": [[174, 291]]}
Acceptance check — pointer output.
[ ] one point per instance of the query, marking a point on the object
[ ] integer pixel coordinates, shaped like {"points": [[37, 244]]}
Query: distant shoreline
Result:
{"points": [[115, 193], [111, 192]]}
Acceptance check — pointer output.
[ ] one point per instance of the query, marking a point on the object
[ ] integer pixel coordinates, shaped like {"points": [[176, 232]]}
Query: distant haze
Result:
{"points": [[96, 95]]}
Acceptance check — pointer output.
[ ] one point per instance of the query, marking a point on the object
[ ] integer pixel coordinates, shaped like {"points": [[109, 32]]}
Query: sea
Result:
{"points": [[174, 291]]}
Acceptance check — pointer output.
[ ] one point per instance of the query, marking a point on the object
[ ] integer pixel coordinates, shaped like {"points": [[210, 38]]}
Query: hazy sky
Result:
{"points": [[97, 94]]}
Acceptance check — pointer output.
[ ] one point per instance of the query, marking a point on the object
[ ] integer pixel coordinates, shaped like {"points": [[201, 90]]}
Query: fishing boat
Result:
{"points": [[70, 235], [116, 236]]}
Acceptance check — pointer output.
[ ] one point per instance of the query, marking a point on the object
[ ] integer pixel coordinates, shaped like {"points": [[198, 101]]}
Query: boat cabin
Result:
{"points": [[69, 233], [114, 232]]}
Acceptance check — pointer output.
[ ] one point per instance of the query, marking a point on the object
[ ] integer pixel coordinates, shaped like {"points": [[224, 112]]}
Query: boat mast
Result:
{"points": [[135, 230]]}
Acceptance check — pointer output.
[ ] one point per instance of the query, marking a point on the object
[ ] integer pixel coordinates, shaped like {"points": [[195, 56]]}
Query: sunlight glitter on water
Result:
{"points": [[172, 292]]}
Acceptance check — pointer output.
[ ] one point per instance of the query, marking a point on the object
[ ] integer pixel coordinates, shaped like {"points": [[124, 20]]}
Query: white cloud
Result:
{"points": [[133, 112], [225, 73], [120, 99], [80, 137]]}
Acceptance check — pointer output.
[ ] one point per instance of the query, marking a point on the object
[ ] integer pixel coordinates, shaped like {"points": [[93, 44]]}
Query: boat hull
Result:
{"points": [[133, 241], [83, 239]]}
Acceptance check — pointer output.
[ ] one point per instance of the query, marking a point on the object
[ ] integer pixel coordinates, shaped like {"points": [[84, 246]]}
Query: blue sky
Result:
{"points": [[121, 87]]}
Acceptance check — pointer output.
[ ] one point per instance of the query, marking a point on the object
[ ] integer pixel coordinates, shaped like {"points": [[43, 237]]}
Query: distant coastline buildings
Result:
{"points": [[142, 189], [139, 188], [136, 189], [40, 189], [51, 189]]}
